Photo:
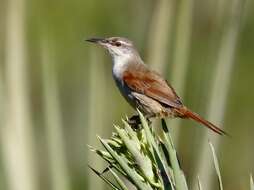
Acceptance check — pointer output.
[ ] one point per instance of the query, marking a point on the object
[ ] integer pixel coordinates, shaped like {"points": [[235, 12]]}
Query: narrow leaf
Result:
{"points": [[156, 152], [199, 184], [113, 186], [143, 161], [216, 165], [180, 181], [130, 131], [118, 180], [135, 178], [183, 181], [251, 183]]}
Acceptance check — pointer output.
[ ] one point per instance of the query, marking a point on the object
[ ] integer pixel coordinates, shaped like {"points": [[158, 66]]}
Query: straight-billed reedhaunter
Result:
{"points": [[143, 88]]}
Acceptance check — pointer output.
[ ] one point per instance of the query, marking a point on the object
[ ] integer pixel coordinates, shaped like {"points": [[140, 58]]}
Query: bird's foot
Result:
{"points": [[135, 122]]}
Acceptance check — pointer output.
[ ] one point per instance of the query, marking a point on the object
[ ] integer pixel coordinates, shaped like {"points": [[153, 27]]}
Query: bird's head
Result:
{"points": [[117, 46]]}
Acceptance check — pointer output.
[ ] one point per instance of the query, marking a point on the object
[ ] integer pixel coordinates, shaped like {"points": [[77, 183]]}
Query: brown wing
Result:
{"points": [[150, 83]]}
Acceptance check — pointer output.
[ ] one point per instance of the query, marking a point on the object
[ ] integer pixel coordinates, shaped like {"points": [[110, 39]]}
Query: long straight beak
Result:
{"points": [[96, 40]]}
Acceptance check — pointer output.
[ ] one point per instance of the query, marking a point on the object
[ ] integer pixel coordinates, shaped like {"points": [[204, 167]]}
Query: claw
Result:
{"points": [[135, 122]]}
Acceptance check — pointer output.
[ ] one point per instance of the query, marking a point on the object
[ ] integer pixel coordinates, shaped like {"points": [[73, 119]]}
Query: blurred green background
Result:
{"points": [[57, 93]]}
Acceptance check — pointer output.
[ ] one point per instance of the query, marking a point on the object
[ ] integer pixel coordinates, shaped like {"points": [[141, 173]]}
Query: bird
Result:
{"points": [[143, 88]]}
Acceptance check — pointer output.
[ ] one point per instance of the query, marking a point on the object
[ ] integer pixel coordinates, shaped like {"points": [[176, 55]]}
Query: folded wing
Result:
{"points": [[151, 84]]}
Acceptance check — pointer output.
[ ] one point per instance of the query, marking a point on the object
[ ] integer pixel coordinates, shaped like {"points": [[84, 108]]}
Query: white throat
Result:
{"points": [[119, 65]]}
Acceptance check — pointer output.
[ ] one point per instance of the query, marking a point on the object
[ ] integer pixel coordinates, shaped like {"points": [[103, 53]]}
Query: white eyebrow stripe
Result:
{"points": [[123, 42]]}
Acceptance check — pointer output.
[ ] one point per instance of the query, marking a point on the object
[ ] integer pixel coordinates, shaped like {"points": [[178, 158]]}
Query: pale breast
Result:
{"points": [[120, 64]]}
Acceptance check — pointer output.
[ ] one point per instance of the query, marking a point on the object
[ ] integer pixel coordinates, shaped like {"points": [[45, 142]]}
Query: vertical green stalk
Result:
{"points": [[251, 183], [54, 127], [216, 166], [159, 34], [181, 53], [17, 134], [2, 116], [200, 187], [97, 110], [219, 88]]}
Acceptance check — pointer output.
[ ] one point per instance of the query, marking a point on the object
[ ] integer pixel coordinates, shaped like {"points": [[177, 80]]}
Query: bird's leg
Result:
{"points": [[149, 122], [135, 122]]}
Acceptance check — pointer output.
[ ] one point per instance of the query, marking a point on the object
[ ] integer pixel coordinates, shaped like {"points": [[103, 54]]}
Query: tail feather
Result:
{"points": [[194, 116]]}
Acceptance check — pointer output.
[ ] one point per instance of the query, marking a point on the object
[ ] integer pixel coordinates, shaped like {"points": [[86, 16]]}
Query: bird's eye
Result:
{"points": [[118, 44]]}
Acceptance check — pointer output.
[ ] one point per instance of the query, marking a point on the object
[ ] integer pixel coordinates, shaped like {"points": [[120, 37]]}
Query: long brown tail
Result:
{"points": [[194, 116]]}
